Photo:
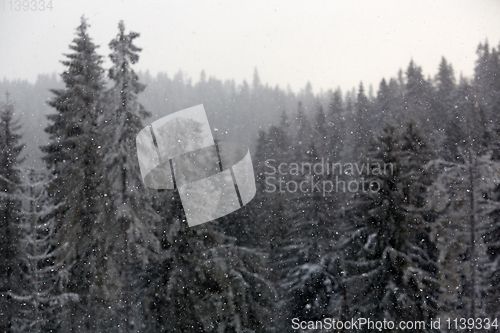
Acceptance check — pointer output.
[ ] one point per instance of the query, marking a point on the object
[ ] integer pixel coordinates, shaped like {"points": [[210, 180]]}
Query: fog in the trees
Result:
{"points": [[380, 203]]}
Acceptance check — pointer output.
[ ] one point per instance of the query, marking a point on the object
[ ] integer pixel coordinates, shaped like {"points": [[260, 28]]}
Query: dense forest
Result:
{"points": [[380, 205]]}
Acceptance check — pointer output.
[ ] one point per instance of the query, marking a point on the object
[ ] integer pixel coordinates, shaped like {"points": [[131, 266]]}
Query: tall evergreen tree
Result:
{"points": [[307, 265], [465, 181], [336, 125], [390, 257], [492, 233], [492, 273], [383, 96], [41, 295], [129, 211], [320, 135], [335, 105], [445, 81], [418, 99], [303, 133], [486, 80], [10, 209], [450, 197], [202, 282], [363, 131], [265, 225], [73, 158], [387, 104]]}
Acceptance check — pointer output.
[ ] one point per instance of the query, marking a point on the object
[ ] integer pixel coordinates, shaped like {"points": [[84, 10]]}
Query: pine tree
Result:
{"points": [[10, 208], [130, 216], [73, 158], [390, 258]]}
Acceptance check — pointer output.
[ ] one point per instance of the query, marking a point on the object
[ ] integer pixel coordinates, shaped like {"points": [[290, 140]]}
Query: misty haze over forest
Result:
{"points": [[86, 247]]}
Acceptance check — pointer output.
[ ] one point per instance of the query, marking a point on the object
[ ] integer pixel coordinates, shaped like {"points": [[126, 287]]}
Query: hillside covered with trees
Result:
{"points": [[381, 205]]}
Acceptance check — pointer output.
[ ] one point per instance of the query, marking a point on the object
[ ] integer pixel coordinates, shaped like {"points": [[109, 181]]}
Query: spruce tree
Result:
{"points": [[390, 258], [492, 273], [363, 121], [386, 103], [201, 282], [308, 266], [74, 160], [129, 213], [445, 80], [486, 82], [418, 103], [303, 133], [450, 190], [465, 186], [260, 223], [321, 131], [10, 209], [335, 105], [41, 297], [335, 125], [492, 233]]}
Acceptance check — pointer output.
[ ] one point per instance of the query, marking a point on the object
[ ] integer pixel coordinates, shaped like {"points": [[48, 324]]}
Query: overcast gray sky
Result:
{"points": [[329, 43]]}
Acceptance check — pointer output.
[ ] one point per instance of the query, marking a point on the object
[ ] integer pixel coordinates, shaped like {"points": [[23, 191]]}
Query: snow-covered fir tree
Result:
{"points": [[465, 187], [269, 204], [129, 214], [202, 282], [486, 82], [418, 103], [10, 209], [73, 156], [492, 272], [390, 258], [335, 125], [363, 121], [492, 229], [307, 265], [40, 296]]}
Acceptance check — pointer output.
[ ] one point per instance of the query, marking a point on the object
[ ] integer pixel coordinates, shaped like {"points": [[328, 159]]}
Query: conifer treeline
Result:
{"points": [[87, 248], [424, 244]]}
